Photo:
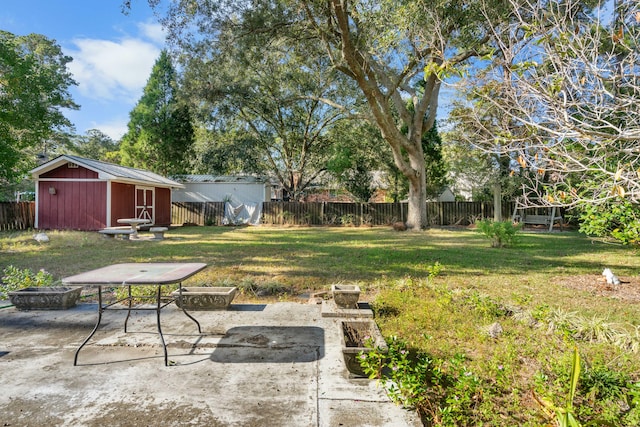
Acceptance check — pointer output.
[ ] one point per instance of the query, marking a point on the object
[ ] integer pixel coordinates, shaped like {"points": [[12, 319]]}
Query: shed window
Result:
{"points": [[72, 165]]}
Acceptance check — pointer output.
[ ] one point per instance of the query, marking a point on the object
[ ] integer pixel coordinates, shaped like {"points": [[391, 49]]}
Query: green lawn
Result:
{"points": [[528, 289], [313, 258]]}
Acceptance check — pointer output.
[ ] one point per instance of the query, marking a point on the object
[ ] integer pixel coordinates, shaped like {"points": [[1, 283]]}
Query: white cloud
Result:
{"points": [[110, 70], [111, 73], [153, 32]]}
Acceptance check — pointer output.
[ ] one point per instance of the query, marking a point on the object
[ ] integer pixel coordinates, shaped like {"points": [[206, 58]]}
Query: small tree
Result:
{"points": [[355, 156], [566, 75], [478, 136]]}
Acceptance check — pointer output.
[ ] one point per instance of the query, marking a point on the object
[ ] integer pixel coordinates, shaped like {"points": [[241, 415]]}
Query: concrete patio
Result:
{"points": [[254, 365]]}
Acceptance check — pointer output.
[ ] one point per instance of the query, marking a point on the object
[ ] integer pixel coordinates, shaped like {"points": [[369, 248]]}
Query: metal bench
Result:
{"points": [[158, 232], [112, 232]]}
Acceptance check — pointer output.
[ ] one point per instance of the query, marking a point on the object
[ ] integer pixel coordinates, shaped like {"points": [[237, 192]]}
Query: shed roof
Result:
{"points": [[108, 171]]}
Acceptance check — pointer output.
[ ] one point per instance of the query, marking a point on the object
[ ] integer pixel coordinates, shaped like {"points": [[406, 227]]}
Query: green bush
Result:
{"points": [[348, 220], [619, 220], [14, 279], [501, 233], [444, 391]]}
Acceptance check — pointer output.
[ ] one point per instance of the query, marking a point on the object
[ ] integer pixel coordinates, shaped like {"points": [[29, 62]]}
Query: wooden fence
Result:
{"points": [[197, 213], [17, 215], [21, 215], [330, 213]]}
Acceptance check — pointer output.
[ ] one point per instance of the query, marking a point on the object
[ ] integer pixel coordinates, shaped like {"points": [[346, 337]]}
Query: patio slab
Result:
{"points": [[254, 365]]}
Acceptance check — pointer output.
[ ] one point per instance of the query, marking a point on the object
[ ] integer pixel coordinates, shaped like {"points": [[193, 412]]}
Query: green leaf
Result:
{"points": [[571, 420], [575, 374]]}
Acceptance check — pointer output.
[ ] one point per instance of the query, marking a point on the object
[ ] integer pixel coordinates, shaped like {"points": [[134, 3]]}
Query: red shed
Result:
{"points": [[74, 193]]}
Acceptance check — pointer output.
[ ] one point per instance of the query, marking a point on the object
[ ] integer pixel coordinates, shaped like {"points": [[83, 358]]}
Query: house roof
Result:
{"points": [[108, 171], [245, 179]]}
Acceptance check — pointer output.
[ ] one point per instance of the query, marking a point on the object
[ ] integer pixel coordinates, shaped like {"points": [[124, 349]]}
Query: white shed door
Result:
{"points": [[145, 202]]}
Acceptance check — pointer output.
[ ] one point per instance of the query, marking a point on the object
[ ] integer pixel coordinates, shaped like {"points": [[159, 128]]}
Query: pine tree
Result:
{"points": [[161, 135]]}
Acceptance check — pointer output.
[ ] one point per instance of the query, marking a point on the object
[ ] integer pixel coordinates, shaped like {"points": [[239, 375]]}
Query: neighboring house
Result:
{"points": [[243, 195], [380, 183], [446, 195], [75, 193], [211, 188]]}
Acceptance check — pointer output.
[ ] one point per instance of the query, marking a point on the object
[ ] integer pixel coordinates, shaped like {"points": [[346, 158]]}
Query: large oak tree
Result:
{"points": [[262, 106], [392, 51]]}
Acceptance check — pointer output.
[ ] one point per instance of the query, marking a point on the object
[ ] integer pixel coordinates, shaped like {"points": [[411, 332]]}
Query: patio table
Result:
{"points": [[133, 223], [138, 274]]}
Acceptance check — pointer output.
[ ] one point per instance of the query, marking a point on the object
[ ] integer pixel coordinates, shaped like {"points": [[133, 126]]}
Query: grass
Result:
{"points": [[443, 316], [313, 258]]}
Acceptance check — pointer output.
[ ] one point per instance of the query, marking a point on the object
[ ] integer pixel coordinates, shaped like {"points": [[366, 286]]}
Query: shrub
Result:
{"points": [[619, 220], [348, 220], [14, 279], [501, 233], [444, 391]]}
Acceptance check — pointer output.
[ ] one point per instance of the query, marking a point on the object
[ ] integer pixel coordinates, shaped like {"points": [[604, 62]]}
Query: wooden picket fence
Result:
{"points": [[17, 215], [340, 214], [21, 215]]}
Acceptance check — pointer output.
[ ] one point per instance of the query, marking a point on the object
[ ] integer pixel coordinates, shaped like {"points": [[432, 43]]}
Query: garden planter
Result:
{"points": [[355, 337], [204, 298], [346, 296], [45, 298]]}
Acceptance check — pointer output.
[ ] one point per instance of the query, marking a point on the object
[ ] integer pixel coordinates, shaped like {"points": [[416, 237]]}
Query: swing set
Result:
{"points": [[521, 214]]}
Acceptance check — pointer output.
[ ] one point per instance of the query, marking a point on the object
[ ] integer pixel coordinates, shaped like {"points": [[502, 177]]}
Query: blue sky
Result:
{"points": [[113, 53]]}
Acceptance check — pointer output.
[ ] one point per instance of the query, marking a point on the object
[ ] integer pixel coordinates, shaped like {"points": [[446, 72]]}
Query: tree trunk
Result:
{"points": [[386, 105], [417, 213], [497, 201]]}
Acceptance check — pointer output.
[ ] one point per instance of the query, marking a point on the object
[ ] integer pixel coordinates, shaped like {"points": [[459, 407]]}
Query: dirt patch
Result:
{"points": [[628, 290]]}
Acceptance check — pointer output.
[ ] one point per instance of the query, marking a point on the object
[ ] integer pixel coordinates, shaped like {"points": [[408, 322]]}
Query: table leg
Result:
{"points": [[95, 328], [158, 309], [185, 311], [128, 311]]}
